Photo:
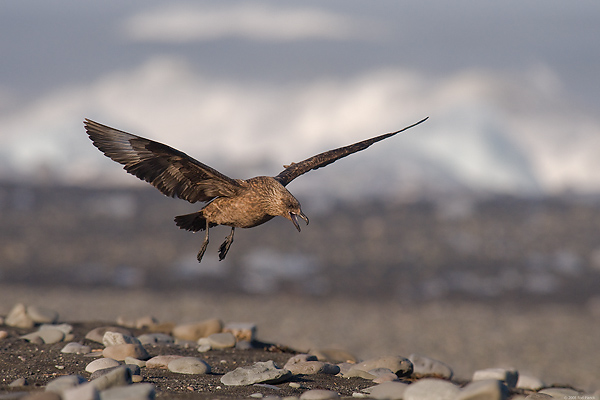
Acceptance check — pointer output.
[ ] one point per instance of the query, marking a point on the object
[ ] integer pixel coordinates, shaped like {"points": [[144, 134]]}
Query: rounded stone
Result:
{"points": [[428, 366], [490, 389], [120, 376], [508, 376], [63, 383], [431, 389], [308, 365], [121, 351], [223, 340], [319, 394], [335, 356], [76, 348], [111, 338], [194, 331], [398, 365], [101, 363], [529, 382], [161, 361], [97, 334], [135, 361], [18, 317], [139, 391], [156, 338], [387, 390], [42, 315], [3, 335], [51, 335], [189, 365], [260, 372], [81, 392]]}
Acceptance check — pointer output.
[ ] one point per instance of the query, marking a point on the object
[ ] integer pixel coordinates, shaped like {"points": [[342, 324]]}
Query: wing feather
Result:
{"points": [[169, 170], [320, 160]]}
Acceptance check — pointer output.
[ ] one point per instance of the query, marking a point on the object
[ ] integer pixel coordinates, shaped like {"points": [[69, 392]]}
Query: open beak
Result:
{"points": [[294, 218]]}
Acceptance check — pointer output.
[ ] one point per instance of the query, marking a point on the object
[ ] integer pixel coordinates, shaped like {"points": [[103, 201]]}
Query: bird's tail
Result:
{"points": [[192, 222]]}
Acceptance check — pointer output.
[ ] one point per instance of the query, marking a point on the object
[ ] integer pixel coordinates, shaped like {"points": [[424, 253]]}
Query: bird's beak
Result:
{"points": [[294, 218]]}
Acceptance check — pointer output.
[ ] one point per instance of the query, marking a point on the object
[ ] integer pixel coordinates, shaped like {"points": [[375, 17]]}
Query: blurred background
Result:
{"points": [[492, 203]]}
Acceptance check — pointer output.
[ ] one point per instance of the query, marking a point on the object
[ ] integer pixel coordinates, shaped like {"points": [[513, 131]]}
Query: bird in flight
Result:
{"points": [[237, 203]]}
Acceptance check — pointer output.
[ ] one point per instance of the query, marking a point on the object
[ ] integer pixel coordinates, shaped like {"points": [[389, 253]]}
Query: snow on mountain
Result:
{"points": [[486, 132]]}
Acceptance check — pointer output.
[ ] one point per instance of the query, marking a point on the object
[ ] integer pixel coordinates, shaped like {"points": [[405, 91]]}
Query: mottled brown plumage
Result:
{"points": [[236, 203]]}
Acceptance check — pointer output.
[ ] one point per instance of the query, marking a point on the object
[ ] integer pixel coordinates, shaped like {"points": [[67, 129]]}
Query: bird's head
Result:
{"points": [[292, 210]]}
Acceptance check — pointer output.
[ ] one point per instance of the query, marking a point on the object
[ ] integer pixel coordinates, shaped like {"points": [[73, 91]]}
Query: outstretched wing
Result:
{"points": [[171, 171], [320, 160]]}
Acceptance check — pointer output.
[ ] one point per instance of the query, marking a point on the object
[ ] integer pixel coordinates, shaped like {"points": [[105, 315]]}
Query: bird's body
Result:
{"points": [[231, 202]]}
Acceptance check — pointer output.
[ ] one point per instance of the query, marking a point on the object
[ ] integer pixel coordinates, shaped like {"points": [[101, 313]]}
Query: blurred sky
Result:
{"points": [[511, 88]]}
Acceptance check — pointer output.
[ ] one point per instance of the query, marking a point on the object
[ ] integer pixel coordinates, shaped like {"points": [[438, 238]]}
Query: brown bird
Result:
{"points": [[237, 203]]}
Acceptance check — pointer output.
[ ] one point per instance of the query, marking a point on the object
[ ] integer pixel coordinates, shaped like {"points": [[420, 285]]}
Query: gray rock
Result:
{"points": [[156, 338], [65, 328], [139, 391], [223, 340], [559, 393], [490, 389], [120, 376], [260, 372], [134, 369], [387, 390], [19, 318], [82, 392], [42, 315], [161, 361], [189, 365], [51, 335], [135, 361], [383, 375], [428, 366], [539, 396], [243, 331], [308, 365], [431, 389], [508, 376], [101, 363], [76, 348], [529, 382], [398, 365], [195, 331], [121, 351], [19, 382], [63, 383], [97, 334], [319, 394], [111, 338], [39, 396]]}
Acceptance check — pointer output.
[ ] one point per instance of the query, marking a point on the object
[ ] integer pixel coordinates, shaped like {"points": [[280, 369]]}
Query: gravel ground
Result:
{"points": [[558, 344]]}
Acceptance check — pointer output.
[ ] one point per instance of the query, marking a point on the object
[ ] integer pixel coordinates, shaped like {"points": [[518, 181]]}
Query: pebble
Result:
{"points": [[97, 334], [431, 389], [134, 369], [189, 365], [119, 376], [82, 392], [243, 331], [383, 375], [224, 340], [539, 396], [42, 315], [335, 356], [121, 351], [76, 348], [319, 394], [48, 335], [139, 391], [306, 364], [424, 366], [19, 382], [161, 361], [508, 376], [101, 363], [156, 338], [3, 335], [135, 361], [195, 331], [139, 323], [19, 318], [260, 372], [63, 383], [111, 338], [398, 365], [490, 389], [387, 390], [530, 382]]}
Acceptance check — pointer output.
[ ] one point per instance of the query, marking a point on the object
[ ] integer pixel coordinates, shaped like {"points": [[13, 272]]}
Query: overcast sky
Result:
{"points": [[511, 87]]}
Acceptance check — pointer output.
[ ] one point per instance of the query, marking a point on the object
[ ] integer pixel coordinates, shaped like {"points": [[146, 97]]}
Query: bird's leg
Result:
{"points": [[224, 248], [204, 245]]}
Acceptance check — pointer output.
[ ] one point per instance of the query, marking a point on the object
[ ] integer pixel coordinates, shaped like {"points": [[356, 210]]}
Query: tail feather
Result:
{"points": [[192, 222]]}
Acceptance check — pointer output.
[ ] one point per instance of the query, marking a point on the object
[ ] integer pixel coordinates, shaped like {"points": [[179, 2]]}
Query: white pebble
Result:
{"points": [[431, 389], [101, 363]]}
